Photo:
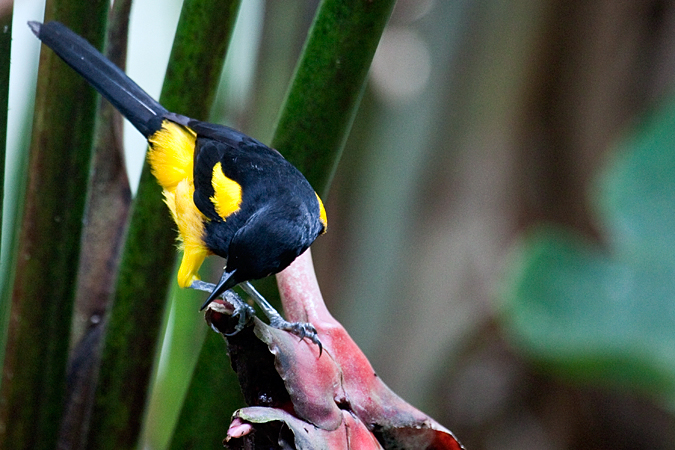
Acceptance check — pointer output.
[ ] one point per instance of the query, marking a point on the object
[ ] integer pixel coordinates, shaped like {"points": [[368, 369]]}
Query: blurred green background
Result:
{"points": [[502, 222]]}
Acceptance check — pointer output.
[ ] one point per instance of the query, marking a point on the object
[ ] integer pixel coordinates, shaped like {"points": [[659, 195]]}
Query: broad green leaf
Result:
{"points": [[636, 194], [606, 313]]}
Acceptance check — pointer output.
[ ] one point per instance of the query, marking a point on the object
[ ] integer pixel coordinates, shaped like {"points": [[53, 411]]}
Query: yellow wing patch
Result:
{"points": [[171, 154], [190, 222], [322, 214], [227, 193]]}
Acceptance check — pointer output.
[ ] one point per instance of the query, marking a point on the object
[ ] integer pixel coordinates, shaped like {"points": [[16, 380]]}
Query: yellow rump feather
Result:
{"points": [[190, 222], [171, 154]]}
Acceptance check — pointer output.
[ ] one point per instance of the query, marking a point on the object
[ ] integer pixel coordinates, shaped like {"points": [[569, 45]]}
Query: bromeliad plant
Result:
{"points": [[301, 397]]}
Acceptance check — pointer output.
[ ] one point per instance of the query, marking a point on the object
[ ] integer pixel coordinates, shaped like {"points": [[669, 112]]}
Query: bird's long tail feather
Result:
{"points": [[134, 103]]}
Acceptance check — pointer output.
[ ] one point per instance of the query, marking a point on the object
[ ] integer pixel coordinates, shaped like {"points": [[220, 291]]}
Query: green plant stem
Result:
{"points": [[322, 101], [33, 384], [5, 52], [148, 257], [5, 60], [107, 210], [109, 196], [213, 393]]}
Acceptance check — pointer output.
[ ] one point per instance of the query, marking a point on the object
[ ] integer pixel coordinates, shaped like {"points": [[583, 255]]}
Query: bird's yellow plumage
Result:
{"points": [[170, 157], [190, 222], [171, 154], [227, 193], [322, 214]]}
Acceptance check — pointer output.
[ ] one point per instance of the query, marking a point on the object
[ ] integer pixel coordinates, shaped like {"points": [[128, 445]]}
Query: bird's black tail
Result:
{"points": [[144, 112]]}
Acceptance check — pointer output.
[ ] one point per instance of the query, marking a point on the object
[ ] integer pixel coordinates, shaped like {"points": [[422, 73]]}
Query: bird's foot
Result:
{"points": [[245, 312], [301, 329], [241, 309]]}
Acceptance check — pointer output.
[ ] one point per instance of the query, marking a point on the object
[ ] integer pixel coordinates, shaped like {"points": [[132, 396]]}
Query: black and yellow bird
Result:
{"points": [[229, 194]]}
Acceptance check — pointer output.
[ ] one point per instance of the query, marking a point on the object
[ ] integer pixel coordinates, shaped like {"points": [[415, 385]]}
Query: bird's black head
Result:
{"points": [[271, 240]]}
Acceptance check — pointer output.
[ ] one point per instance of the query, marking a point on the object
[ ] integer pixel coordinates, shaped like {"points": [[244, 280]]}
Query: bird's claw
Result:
{"points": [[300, 329], [244, 311], [240, 307]]}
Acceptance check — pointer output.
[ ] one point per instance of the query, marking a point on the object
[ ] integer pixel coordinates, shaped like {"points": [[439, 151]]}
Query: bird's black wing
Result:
{"points": [[207, 154], [233, 138]]}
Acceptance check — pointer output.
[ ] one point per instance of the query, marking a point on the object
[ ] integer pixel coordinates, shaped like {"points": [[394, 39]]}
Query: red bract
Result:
{"points": [[301, 399]]}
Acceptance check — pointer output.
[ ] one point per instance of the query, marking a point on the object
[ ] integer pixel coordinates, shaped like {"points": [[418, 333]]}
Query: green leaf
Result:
{"points": [[636, 194], [33, 385], [607, 314], [5, 47], [322, 101], [213, 394], [106, 214]]}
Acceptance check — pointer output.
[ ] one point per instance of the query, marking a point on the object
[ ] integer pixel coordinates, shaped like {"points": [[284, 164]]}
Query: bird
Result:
{"points": [[229, 194]]}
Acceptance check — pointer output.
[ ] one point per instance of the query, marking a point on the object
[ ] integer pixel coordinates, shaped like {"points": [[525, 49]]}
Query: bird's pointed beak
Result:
{"points": [[226, 282]]}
